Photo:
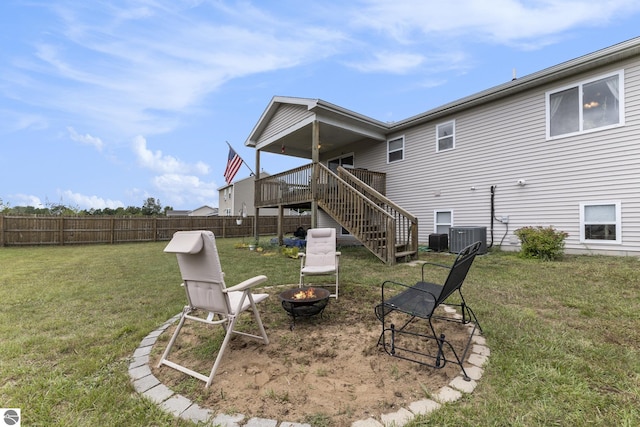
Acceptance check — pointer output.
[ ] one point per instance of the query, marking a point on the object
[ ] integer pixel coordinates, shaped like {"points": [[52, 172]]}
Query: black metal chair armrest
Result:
{"points": [[448, 267]]}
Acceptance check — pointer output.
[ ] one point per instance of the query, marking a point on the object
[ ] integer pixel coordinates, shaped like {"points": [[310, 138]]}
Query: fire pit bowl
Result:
{"points": [[304, 302]]}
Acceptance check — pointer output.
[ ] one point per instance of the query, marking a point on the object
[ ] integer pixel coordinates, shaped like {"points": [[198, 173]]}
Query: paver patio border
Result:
{"points": [[151, 388]]}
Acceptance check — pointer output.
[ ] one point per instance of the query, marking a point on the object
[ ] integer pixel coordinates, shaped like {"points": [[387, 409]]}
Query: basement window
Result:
{"points": [[600, 222], [442, 221]]}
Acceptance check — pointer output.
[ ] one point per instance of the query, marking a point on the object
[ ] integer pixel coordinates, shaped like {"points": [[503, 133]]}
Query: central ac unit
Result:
{"points": [[461, 237]]}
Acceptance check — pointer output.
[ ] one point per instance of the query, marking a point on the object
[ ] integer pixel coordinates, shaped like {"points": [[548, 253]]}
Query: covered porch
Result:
{"points": [[353, 197]]}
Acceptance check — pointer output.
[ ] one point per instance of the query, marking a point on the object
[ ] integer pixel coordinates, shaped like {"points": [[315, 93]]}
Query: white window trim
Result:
{"points": [[453, 136], [579, 85], [389, 141], [435, 219], [344, 156], [618, 205]]}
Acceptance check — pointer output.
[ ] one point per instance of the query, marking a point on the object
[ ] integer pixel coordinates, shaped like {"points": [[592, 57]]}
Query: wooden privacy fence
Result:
{"points": [[46, 230]]}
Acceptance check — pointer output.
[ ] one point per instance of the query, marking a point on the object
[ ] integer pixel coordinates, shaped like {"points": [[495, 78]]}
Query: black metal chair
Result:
{"points": [[412, 340]]}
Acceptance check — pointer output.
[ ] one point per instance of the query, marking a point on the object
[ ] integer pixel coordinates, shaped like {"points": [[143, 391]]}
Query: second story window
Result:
{"points": [[446, 136], [395, 149], [590, 105]]}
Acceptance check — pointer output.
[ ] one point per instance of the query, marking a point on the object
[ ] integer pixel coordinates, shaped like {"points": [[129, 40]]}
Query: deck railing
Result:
{"points": [[286, 188]]}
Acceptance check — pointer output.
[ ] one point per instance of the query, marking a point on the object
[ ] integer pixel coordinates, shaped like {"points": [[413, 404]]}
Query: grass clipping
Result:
{"points": [[326, 370]]}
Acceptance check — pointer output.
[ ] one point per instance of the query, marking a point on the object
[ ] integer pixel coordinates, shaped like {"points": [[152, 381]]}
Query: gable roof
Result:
{"points": [[612, 54], [286, 124], [288, 121]]}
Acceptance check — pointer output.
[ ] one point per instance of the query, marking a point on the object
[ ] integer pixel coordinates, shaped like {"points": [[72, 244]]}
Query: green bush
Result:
{"points": [[539, 242]]}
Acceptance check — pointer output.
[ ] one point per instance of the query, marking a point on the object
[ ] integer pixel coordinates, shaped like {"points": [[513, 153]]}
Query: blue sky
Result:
{"points": [[107, 103]]}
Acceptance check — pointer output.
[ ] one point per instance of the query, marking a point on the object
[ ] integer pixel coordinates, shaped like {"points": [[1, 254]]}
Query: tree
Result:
{"points": [[151, 207]]}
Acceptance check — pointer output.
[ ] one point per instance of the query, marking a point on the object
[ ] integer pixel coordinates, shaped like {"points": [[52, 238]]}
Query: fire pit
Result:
{"points": [[304, 302]]}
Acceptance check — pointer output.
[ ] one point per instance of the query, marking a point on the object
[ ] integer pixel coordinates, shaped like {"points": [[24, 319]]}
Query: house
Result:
{"points": [[201, 211], [555, 148], [204, 211], [237, 199], [174, 212]]}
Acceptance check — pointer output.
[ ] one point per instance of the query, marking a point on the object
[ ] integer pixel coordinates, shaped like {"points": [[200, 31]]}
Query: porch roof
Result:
{"points": [[338, 127]]}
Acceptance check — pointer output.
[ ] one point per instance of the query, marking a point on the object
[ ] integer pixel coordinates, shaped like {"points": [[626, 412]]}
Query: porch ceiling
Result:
{"points": [[298, 142]]}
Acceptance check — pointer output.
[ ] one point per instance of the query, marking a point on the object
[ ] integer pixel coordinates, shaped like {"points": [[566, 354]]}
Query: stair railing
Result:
{"points": [[406, 224], [361, 217]]}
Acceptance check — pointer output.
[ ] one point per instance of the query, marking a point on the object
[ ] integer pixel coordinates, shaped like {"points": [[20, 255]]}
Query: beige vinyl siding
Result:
{"points": [[286, 115], [502, 142]]}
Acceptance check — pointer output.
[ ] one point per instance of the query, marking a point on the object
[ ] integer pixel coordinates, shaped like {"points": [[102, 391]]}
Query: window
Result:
{"points": [[344, 161], [590, 105], [445, 136], [600, 222], [395, 149], [442, 221]]}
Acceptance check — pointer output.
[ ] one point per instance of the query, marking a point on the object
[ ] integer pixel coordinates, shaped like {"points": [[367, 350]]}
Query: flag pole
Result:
{"points": [[243, 162]]}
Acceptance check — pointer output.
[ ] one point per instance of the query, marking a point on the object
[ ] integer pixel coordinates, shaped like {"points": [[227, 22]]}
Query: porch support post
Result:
{"points": [[315, 158], [280, 225], [256, 197]]}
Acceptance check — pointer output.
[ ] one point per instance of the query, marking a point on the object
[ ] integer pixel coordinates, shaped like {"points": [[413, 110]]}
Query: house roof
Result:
{"points": [[340, 126], [612, 54]]}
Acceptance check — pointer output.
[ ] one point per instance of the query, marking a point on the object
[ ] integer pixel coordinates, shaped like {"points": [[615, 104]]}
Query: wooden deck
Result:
{"points": [[355, 198]]}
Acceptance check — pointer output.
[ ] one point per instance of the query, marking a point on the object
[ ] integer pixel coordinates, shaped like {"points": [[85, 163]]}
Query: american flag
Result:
{"points": [[233, 165]]}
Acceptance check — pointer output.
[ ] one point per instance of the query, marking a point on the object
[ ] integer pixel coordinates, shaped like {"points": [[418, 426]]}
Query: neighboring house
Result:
{"points": [[204, 211], [201, 211], [237, 198], [559, 148], [177, 212]]}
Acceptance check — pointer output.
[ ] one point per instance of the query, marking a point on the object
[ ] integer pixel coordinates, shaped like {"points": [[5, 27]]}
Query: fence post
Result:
{"points": [[61, 229], [1, 230], [155, 228], [224, 228]]}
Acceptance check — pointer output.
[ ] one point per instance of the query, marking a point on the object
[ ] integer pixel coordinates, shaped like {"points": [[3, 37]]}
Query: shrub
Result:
{"points": [[543, 243]]}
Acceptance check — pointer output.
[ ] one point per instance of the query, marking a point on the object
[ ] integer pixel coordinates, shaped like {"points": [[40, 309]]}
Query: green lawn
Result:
{"points": [[564, 336]]}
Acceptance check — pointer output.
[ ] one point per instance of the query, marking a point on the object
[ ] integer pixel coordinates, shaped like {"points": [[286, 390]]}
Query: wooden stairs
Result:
{"points": [[387, 230]]}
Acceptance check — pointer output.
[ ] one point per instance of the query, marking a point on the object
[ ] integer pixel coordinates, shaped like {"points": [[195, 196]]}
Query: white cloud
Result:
{"points": [[407, 62], [87, 202], [85, 139], [12, 121], [115, 67], [510, 22], [390, 62], [24, 200], [186, 190], [158, 162]]}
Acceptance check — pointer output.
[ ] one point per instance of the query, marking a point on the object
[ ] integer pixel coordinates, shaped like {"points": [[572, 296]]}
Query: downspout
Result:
{"points": [[493, 211]]}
